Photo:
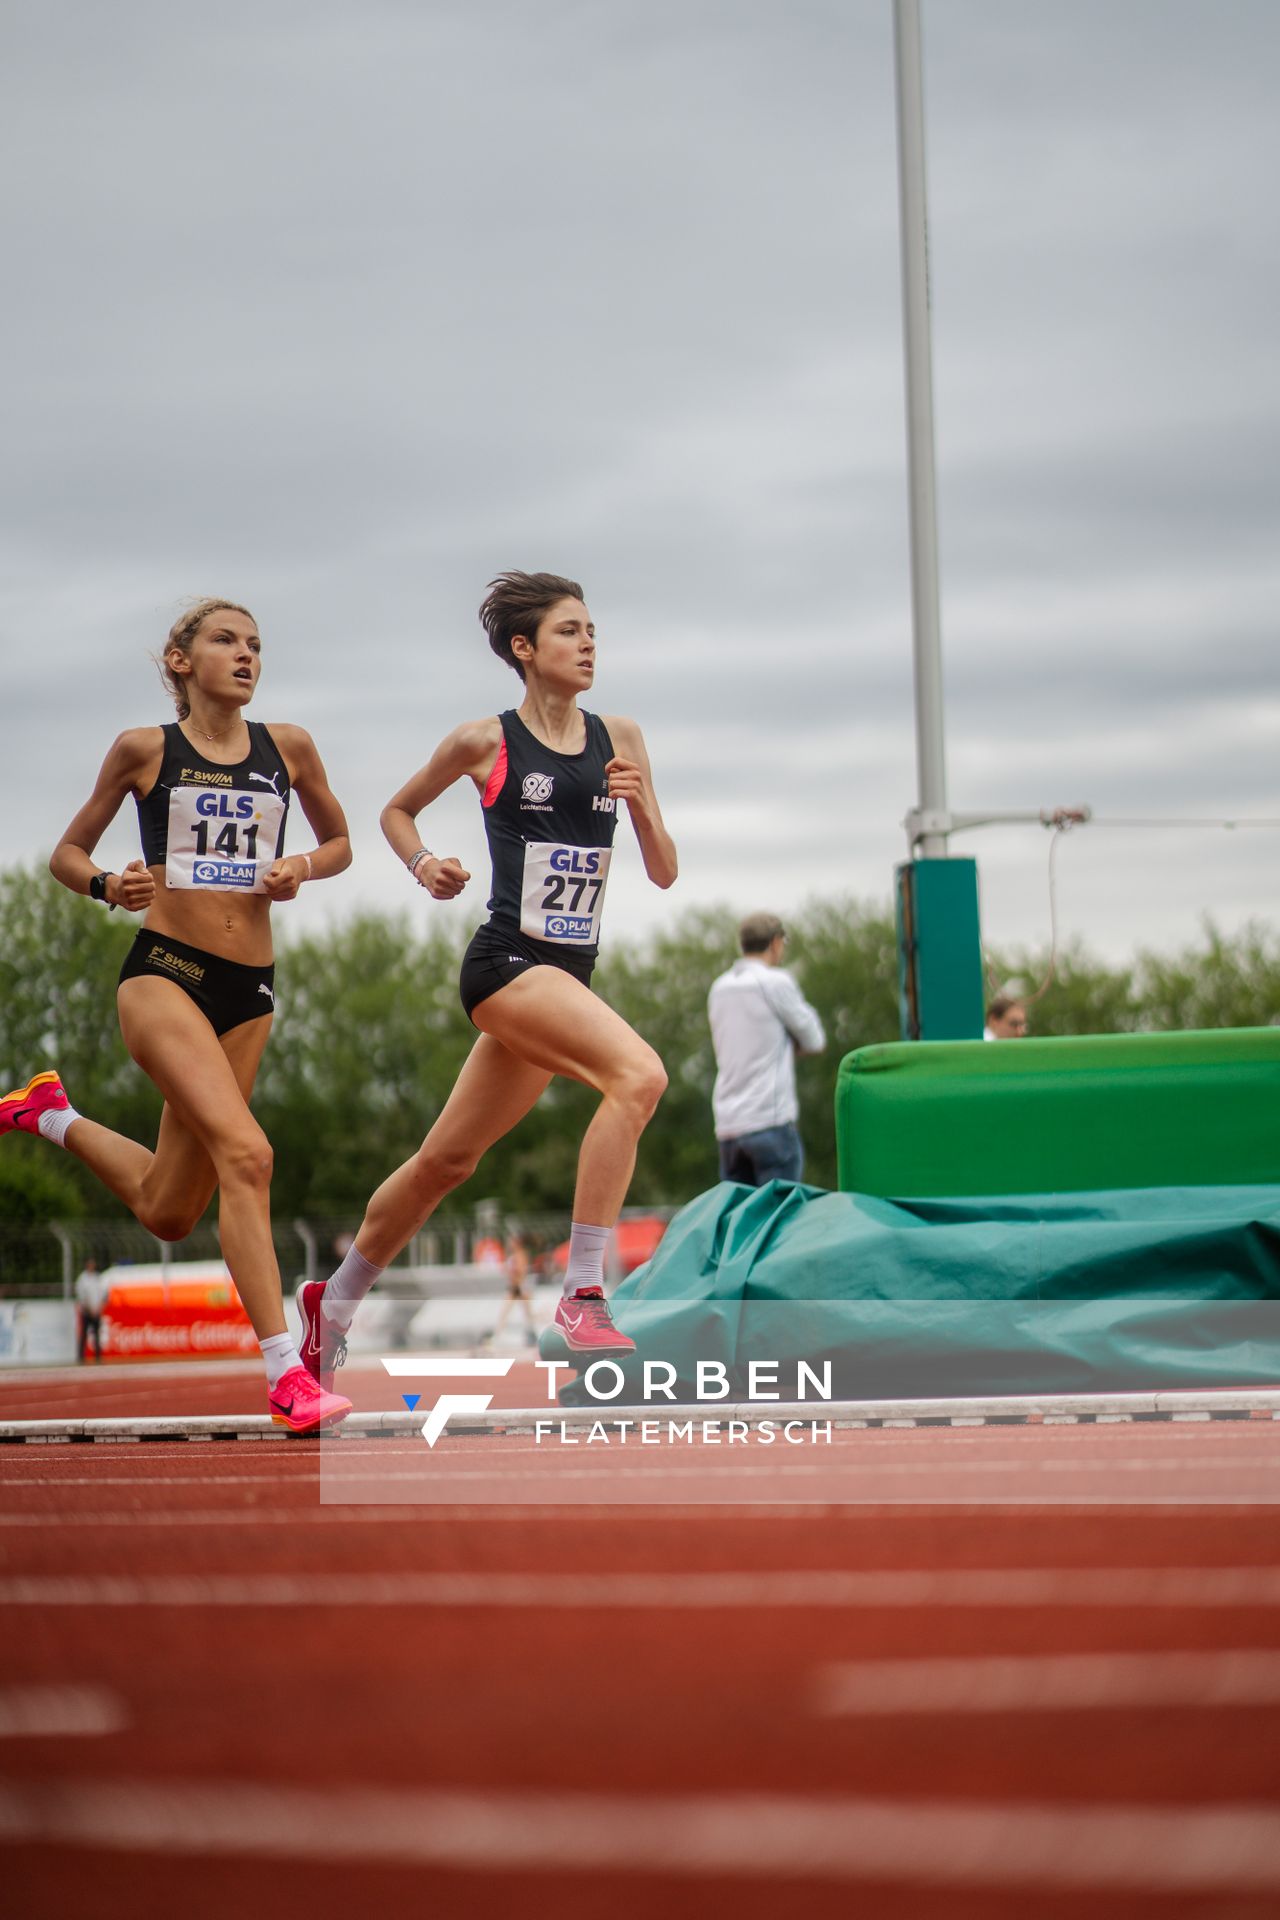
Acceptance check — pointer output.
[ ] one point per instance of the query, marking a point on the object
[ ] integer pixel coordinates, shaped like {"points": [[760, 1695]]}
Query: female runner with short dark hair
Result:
{"points": [[549, 777]]}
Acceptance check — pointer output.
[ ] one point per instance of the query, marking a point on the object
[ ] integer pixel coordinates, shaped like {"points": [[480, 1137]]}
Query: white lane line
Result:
{"points": [[129, 1373], [39, 1712], [153, 1479], [1159, 1463], [373, 1460], [402, 1513], [774, 1836], [230, 1517], [953, 1439], [333, 1474], [1047, 1683], [996, 1588]]}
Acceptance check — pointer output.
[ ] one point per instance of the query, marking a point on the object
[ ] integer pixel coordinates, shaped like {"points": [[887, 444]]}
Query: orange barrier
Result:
{"points": [[184, 1319]]}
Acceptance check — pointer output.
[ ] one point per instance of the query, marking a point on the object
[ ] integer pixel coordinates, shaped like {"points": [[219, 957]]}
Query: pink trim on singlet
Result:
{"points": [[497, 779]]}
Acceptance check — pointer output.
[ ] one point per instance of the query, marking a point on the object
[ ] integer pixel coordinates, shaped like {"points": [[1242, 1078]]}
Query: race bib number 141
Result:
{"points": [[224, 839], [563, 892]]}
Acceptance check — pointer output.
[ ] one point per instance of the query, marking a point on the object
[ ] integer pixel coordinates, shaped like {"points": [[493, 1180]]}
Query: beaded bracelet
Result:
{"points": [[423, 853]]}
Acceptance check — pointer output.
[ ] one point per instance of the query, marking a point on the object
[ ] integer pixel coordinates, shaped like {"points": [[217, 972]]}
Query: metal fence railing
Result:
{"points": [[41, 1262]]}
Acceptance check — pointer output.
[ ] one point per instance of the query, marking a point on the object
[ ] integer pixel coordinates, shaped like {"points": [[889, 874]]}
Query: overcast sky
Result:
{"points": [[338, 308]]}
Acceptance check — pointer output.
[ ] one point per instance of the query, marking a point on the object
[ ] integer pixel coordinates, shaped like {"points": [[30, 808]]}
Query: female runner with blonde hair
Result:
{"points": [[196, 994]]}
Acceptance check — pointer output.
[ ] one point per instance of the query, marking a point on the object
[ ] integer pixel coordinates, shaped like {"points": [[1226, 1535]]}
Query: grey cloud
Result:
{"points": [[341, 309]]}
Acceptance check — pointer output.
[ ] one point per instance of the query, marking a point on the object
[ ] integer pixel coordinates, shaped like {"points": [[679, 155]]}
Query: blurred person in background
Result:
{"points": [[91, 1297], [519, 1288], [1006, 1018]]}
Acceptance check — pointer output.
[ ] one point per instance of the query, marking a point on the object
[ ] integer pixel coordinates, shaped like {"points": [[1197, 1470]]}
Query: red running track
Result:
{"points": [[219, 1696]]}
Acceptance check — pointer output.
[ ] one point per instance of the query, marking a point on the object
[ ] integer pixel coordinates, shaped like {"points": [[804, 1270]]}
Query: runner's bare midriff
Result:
{"points": [[235, 926]]}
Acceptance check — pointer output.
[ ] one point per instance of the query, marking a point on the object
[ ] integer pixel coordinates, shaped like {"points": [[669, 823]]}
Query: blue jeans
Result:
{"points": [[775, 1153]]}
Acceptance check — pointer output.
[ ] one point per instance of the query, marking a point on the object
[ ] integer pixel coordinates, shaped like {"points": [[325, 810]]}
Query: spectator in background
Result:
{"points": [[760, 1021], [519, 1288], [1006, 1018], [91, 1297]]}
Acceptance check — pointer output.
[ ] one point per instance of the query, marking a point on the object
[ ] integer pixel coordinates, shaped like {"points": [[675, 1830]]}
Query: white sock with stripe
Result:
{"points": [[348, 1287], [279, 1354], [586, 1257], [53, 1124]]}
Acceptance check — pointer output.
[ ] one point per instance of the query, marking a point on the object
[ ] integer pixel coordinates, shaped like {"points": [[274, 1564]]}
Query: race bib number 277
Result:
{"points": [[563, 892], [224, 839]]}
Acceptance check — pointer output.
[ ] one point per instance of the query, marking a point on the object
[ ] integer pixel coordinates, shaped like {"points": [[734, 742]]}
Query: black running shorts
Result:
{"points": [[226, 992], [495, 958]]}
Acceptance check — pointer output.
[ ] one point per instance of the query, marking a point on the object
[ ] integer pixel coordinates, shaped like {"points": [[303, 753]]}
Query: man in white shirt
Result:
{"points": [[91, 1297], [760, 1020]]}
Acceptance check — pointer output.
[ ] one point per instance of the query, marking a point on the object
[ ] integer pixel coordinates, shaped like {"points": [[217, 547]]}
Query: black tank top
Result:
{"points": [[550, 824], [216, 827]]}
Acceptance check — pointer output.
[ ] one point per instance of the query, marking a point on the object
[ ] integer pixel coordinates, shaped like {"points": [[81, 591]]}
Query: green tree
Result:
{"points": [[36, 1185], [659, 986], [371, 1036], [844, 955], [58, 970], [846, 961], [1217, 983], [369, 1039], [1085, 995]]}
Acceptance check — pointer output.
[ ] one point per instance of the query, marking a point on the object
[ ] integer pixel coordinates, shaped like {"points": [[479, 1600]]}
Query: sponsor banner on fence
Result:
{"points": [[196, 1317], [133, 1333]]}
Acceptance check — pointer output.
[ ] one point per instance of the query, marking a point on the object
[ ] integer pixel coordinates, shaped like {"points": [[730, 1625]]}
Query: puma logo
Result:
{"points": [[263, 781], [264, 988]]}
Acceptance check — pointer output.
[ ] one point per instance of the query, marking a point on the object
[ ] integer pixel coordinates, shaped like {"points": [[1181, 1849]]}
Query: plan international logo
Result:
{"points": [[605, 1381]]}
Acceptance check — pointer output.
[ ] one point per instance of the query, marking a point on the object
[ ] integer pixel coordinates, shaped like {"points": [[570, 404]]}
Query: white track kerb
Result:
{"points": [[992, 1410]]}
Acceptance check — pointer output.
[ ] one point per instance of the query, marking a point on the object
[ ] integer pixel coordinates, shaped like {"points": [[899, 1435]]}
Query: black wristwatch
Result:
{"points": [[98, 890]]}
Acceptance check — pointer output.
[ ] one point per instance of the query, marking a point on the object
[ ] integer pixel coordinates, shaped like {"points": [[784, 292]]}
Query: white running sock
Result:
{"points": [[586, 1257], [279, 1354], [348, 1287], [53, 1124]]}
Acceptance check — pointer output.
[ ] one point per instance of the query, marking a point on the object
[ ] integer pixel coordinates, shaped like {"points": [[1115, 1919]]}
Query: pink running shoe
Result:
{"points": [[302, 1406], [22, 1109], [587, 1324], [323, 1347]]}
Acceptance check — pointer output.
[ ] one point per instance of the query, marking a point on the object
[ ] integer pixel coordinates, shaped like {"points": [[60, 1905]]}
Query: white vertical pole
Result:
{"points": [[63, 1239], [913, 218], [306, 1233]]}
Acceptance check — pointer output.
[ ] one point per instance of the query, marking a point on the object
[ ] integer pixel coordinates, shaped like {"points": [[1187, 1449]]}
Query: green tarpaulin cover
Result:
{"points": [[1137, 1289]]}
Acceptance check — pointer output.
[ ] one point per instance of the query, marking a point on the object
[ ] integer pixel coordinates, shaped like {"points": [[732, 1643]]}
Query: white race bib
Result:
{"points": [[563, 892], [222, 838]]}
